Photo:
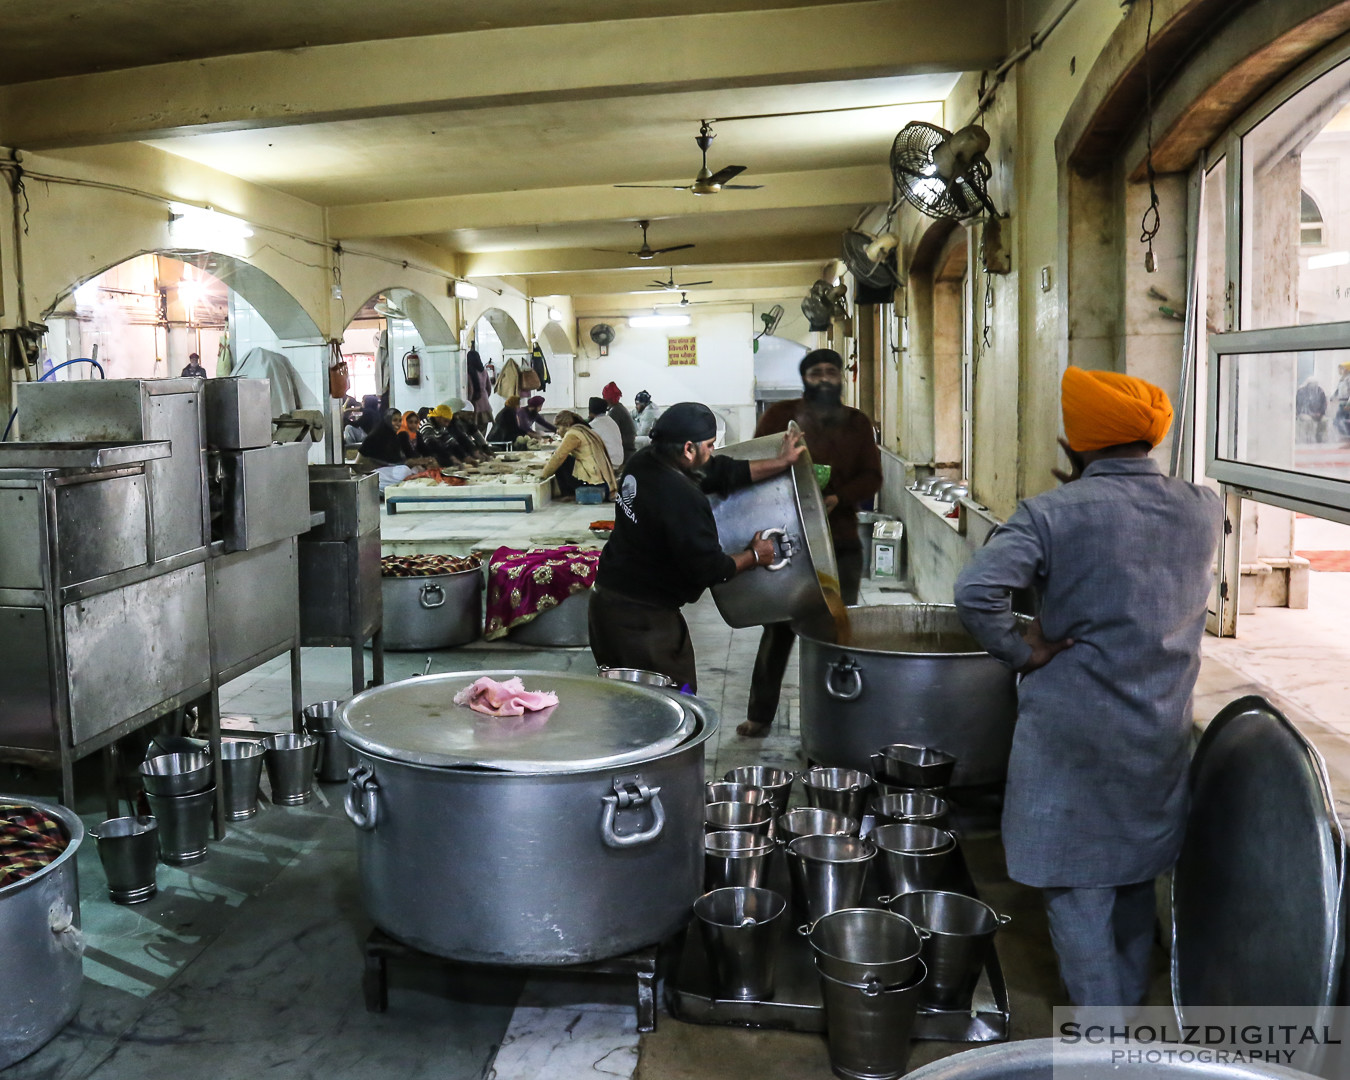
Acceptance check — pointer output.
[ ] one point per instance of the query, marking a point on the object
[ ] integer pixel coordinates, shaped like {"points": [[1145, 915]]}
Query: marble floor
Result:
{"points": [[251, 961]]}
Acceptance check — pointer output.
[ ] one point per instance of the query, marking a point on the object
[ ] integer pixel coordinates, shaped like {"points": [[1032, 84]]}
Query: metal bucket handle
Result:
{"points": [[630, 793], [848, 667], [784, 543], [428, 588], [362, 801]]}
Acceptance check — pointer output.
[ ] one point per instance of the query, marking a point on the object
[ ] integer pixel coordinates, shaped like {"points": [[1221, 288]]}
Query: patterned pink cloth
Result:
{"points": [[523, 584]]}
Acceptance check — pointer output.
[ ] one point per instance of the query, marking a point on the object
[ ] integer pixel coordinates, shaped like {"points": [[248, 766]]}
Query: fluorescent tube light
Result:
{"points": [[1331, 258], [465, 291]]}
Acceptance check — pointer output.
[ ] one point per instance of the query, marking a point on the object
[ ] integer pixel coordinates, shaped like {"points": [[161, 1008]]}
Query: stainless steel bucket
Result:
{"points": [[842, 790], [740, 933], [733, 859], [176, 774], [913, 766], [910, 674], [915, 858], [723, 791], [438, 611], [184, 825], [910, 808], [128, 848], [334, 756], [241, 765], [865, 945], [290, 759], [738, 817], [805, 821], [828, 872], [777, 782], [869, 1027], [960, 934], [41, 948]]}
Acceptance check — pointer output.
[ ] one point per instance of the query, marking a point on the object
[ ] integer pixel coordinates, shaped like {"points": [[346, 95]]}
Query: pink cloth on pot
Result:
{"points": [[510, 698]]}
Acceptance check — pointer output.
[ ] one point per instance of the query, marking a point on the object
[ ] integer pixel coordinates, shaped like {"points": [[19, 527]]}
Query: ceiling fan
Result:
{"points": [[646, 251], [685, 302], [706, 182], [671, 286]]}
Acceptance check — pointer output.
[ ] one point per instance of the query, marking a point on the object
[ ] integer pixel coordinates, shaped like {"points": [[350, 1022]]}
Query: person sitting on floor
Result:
{"points": [[580, 459]]}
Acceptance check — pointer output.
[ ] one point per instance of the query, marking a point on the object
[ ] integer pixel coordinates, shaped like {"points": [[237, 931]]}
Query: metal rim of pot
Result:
{"points": [[863, 782], [976, 653], [866, 849], [75, 834]]}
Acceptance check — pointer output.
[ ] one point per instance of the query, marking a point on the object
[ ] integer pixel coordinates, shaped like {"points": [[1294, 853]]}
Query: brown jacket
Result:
{"points": [[846, 444]]}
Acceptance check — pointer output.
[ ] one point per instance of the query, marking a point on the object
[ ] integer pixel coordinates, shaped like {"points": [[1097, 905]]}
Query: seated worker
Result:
{"points": [[580, 459], [644, 415], [506, 425], [622, 417], [467, 434], [604, 425], [436, 440], [530, 418], [380, 448]]}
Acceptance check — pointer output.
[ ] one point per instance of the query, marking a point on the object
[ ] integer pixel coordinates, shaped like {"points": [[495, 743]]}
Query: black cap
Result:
{"points": [[597, 405], [642, 397], [685, 421], [820, 356]]}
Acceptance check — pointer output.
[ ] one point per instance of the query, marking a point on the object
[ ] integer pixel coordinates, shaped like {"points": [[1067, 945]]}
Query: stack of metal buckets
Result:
{"points": [[923, 947]]}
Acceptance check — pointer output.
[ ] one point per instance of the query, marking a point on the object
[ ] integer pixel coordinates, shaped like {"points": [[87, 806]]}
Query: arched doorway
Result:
{"points": [[399, 345], [499, 340], [560, 355]]}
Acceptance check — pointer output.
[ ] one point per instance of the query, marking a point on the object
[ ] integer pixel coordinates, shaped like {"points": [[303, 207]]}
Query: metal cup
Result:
{"points": [[127, 848], [184, 825], [241, 764], [741, 939], [290, 759]]}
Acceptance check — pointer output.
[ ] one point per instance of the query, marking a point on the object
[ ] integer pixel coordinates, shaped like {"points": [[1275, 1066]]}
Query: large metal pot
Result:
{"points": [[910, 674], [545, 839], [433, 612], [565, 626], [40, 946], [791, 510]]}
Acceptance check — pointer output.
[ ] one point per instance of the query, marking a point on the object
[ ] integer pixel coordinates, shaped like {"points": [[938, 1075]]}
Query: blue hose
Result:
{"points": [[65, 363]]}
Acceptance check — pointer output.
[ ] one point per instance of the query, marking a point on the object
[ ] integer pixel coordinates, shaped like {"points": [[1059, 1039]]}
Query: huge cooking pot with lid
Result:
{"points": [[790, 510], [909, 674], [553, 838]]}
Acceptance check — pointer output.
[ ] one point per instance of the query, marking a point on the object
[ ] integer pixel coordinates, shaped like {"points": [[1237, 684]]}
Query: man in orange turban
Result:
{"points": [[1119, 558]]}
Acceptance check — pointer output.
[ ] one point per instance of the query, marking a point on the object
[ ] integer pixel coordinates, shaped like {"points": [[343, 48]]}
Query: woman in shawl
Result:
{"points": [[506, 427], [580, 459], [480, 386]]}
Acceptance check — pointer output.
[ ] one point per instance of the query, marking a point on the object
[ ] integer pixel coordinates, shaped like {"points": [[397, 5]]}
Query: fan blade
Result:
{"points": [[691, 284], [662, 187], [677, 247], [721, 176], [741, 187]]}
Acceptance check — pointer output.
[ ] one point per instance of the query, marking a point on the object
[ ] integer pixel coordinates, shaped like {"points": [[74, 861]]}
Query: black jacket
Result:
{"points": [[664, 549]]}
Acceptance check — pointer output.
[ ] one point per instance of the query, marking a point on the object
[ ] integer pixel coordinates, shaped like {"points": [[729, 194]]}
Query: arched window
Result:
{"points": [[1309, 221]]}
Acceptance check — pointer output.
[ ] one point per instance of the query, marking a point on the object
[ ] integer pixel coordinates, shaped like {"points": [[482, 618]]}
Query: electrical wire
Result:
{"points": [[64, 364], [1151, 223]]}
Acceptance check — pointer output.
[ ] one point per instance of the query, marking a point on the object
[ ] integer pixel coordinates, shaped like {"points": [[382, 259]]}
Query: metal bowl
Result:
{"points": [[176, 774], [911, 766], [635, 675], [955, 492]]}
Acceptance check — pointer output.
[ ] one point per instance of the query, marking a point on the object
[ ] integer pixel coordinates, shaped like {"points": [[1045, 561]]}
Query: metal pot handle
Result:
{"points": [[427, 589], [61, 921], [784, 544], [362, 800], [847, 667], [1003, 920], [630, 793]]}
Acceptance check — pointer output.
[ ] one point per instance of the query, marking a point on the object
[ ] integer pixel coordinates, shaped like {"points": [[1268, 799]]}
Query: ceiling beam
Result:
{"points": [[703, 256], [632, 303], [788, 277], [858, 185], [486, 68]]}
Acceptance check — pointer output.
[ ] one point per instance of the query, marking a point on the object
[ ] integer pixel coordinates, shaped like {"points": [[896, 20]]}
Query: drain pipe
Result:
{"points": [[1001, 72]]}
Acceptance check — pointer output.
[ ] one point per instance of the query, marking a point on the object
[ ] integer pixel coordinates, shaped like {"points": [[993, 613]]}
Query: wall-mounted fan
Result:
{"points": [[603, 335], [871, 258], [670, 284], [770, 319], [941, 174], [706, 182], [646, 251], [387, 309], [824, 304]]}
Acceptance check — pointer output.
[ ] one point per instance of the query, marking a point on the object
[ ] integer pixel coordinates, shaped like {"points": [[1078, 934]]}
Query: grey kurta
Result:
{"points": [[1122, 560]]}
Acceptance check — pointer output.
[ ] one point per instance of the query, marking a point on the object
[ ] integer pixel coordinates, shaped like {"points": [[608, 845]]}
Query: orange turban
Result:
{"points": [[1105, 408]]}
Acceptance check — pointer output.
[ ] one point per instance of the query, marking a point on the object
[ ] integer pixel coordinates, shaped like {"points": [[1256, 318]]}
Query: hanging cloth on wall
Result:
{"points": [[224, 358], [382, 367], [508, 382], [540, 366]]}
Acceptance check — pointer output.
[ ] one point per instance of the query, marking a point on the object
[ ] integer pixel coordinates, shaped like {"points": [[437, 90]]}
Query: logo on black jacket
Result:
{"points": [[627, 494]]}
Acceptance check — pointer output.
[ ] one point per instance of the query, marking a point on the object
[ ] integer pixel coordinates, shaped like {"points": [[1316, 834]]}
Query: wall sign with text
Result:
{"points": [[682, 351]]}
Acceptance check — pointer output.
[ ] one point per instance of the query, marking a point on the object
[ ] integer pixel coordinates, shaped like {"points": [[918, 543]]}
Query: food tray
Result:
{"points": [[797, 1004]]}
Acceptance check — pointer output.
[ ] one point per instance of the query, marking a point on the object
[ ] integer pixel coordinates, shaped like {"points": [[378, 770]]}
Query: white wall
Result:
{"points": [[723, 379]]}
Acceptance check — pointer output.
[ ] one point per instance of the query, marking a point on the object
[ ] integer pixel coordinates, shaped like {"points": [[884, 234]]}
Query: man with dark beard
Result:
{"points": [[842, 438]]}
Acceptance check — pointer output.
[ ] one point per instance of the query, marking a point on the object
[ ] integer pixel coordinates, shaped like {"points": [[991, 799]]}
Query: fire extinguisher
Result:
{"points": [[412, 368]]}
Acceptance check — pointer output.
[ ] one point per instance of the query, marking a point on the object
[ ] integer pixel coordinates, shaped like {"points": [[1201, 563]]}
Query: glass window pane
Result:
{"points": [[1296, 209], [1287, 411]]}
